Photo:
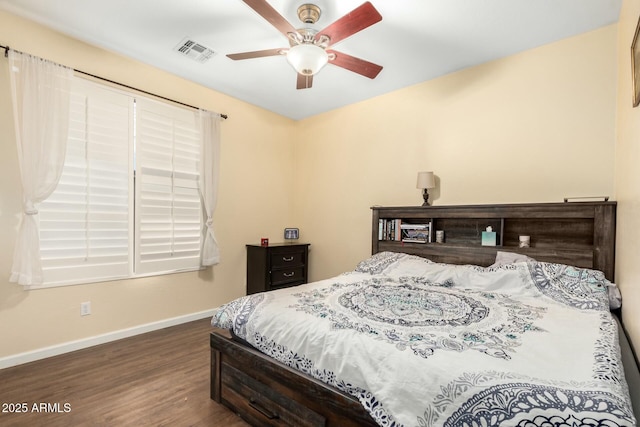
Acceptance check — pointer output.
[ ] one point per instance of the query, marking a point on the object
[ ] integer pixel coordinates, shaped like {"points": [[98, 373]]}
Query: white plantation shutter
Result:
{"points": [[84, 224], [128, 202], [168, 213]]}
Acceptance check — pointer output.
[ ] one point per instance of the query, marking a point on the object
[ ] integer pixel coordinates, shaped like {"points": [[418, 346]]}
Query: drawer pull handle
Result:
{"points": [[287, 259], [293, 273], [255, 405]]}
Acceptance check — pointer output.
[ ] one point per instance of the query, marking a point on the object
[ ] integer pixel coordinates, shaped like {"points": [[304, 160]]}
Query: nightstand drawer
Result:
{"points": [[279, 277], [286, 259], [261, 405]]}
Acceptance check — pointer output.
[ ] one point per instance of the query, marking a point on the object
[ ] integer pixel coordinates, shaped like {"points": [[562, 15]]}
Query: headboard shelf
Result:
{"points": [[578, 233]]}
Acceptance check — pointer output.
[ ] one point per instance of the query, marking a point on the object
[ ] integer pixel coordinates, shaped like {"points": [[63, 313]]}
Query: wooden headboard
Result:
{"points": [[575, 233]]}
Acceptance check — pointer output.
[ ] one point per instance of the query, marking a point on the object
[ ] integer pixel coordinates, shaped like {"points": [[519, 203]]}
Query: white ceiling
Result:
{"points": [[417, 40]]}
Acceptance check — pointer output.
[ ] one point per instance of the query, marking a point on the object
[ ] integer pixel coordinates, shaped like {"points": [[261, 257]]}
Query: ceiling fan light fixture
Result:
{"points": [[307, 59]]}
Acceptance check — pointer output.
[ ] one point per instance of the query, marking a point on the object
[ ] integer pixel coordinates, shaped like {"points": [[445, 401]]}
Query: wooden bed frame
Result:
{"points": [[265, 392]]}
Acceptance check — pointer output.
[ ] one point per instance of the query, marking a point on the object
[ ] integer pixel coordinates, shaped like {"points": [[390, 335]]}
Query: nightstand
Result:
{"points": [[276, 266]]}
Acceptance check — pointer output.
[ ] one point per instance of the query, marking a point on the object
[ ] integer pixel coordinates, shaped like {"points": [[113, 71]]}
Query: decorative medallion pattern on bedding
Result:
{"points": [[428, 344], [412, 313]]}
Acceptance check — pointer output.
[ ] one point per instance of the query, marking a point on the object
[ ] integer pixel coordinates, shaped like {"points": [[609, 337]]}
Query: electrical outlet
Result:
{"points": [[85, 308]]}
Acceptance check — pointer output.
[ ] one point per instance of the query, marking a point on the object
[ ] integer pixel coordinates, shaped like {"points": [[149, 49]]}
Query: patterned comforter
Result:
{"points": [[428, 344]]}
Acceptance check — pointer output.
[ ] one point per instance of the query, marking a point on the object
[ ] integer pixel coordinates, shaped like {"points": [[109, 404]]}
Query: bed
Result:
{"points": [[403, 340]]}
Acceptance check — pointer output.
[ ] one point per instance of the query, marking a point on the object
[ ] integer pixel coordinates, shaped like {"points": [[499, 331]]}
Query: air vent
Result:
{"points": [[194, 50]]}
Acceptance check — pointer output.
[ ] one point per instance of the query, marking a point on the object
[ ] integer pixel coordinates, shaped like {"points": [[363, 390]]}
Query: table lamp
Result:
{"points": [[426, 180]]}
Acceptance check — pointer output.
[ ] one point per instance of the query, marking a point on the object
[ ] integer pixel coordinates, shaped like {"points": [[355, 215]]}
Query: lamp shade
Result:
{"points": [[307, 59], [426, 180]]}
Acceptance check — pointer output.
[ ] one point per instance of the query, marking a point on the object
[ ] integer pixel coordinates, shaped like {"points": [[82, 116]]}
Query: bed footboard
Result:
{"points": [[265, 392]]}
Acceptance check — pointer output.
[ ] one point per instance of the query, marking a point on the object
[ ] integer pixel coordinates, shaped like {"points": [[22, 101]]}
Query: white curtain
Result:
{"points": [[208, 183], [40, 92]]}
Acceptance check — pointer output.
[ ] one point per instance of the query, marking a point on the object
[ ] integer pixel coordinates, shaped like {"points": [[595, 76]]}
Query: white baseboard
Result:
{"points": [[42, 353]]}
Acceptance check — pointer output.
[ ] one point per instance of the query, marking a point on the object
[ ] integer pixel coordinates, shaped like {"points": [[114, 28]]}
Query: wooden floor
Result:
{"points": [[156, 379]]}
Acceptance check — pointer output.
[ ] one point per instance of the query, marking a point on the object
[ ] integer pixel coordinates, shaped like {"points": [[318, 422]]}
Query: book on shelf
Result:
{"points": [[416, 233], [397, 230], [389, 229]]}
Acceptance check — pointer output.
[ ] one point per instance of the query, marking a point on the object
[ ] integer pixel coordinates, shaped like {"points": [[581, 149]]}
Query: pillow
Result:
{"points": [[579, 287], [615, 297], [387, 262], [504, 258], [613, 293]]}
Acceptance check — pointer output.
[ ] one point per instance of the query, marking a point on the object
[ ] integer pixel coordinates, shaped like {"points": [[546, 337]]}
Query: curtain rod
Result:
{"points": [[224, 116]]}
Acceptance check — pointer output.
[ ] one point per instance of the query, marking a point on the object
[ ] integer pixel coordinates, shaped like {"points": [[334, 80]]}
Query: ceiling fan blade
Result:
{"points": [[256, 54], [304, 82], [265, 10], [357, 20], [357, 65]]}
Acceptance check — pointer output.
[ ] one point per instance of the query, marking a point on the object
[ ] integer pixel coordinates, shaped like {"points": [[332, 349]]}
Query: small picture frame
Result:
{"points": [[291, 233]]}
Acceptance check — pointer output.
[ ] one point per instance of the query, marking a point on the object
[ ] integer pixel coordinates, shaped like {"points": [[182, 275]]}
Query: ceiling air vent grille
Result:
{"points": [[194, 50]]}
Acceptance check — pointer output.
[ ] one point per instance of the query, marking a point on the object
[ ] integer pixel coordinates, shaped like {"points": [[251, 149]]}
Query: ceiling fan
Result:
{"points": [[309, 49]]}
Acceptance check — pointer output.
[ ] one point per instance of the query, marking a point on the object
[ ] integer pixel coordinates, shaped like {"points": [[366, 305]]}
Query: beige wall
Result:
{"points": [[534, 127], [255, 201], [627, 178]]}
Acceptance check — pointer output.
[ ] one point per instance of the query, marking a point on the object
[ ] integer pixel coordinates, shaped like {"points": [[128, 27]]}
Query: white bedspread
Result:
{"points": [[427, 344]]}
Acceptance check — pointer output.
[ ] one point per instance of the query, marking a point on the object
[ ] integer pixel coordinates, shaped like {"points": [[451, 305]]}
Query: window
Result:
{"points": [[168, 212], [127, 203]]}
